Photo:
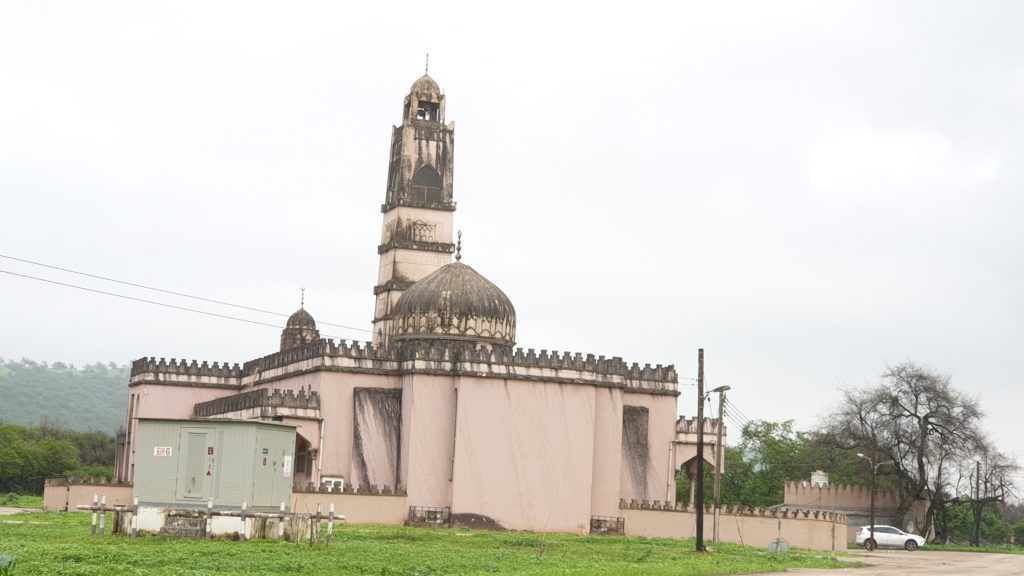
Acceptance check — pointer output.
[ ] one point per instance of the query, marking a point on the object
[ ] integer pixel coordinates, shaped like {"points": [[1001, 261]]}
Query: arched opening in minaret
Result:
{"points": [[426, 186], [426, 111]]}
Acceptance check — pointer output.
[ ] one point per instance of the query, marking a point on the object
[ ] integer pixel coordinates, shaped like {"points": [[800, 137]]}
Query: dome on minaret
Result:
{"points": [[425, 84], [455, 302], [299, 330]]}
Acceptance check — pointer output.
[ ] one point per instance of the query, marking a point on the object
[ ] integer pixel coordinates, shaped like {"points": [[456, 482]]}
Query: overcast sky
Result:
{"points": [[808, 191]]}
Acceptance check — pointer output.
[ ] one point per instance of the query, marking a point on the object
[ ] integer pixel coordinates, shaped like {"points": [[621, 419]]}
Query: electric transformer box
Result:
{"points": [[184, 463]]}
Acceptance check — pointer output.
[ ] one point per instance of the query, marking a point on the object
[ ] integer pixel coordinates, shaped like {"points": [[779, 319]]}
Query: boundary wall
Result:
{"points": [[358, 508], [66, 493], [839, 497], [814, 530]]}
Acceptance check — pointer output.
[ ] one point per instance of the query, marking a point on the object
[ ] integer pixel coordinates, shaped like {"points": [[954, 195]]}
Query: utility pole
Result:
{"points": [[977, 500], [718, 463], [700, 451], [874, 471]]}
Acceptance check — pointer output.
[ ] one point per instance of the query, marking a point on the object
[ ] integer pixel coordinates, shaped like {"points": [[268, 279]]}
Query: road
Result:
{"points": [[923, 562]]}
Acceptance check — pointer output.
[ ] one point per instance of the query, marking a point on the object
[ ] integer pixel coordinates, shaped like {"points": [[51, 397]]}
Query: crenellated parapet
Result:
{"points": [[441, 351], [751, 511], [185, 372], [75, 481], [418, 356], [691, 426], [255, 399], [840, 496]]}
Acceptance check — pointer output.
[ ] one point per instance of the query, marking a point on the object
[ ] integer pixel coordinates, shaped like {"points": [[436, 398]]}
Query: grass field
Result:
{"points": [[56, 543], [22, 501]]}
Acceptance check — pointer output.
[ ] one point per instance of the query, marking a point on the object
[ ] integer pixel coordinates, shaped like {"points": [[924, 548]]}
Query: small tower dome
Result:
{"points": [[455, 302], [299, 330], [425, 102], [426, 85]]}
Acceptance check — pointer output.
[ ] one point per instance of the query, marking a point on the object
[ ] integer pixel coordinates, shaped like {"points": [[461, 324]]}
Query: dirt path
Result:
{"points": [[5, 511], [923, 562]]}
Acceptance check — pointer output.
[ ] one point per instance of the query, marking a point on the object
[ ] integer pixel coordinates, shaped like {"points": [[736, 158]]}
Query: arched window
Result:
{"points": [[426, 186]]}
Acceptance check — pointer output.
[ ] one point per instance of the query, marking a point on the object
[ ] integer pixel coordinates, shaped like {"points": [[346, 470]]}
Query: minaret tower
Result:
{"points": [[418, 206]]}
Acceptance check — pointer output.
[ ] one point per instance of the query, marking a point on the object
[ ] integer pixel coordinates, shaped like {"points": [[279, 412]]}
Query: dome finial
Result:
{"points": [[458, 248], [426, 68], [302, 302]]}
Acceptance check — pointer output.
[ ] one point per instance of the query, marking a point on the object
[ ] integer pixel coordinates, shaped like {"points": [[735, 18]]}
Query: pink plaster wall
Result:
{"points": [[56, 496], [752, 530], [163, 401], [661, 432], [839, 496], [604, 497], [428, 434], [357, 508], [524, 453], [336, 409]]}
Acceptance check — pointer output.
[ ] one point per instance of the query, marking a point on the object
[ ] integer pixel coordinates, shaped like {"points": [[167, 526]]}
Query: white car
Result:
{"points": [[888, 537]]}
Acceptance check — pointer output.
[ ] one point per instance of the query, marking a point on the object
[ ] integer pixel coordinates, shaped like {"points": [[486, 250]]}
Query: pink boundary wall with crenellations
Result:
{"points": [[749, 526], [839, 497]]}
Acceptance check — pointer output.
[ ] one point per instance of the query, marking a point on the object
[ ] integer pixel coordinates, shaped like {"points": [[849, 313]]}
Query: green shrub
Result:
{"points": [[6, 565], [10, 499]]}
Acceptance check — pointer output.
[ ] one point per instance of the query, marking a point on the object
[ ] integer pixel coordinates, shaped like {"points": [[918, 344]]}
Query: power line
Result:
{"points": [[736, 409], [172, 292], [143, 300]]}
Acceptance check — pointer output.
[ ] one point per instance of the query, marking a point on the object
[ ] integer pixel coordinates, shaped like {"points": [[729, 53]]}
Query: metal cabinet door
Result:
{"points": [[195, 477]]}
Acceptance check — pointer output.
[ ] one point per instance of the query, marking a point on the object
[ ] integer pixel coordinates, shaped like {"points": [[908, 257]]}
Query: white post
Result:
{"points": [[134, 517], [330, 525], [95, 507], [103, 513], [209, 518], [241, 533], [280, 525]]}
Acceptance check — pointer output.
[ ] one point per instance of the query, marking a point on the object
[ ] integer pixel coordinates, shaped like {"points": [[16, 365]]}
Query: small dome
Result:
{"points": [[299, 330], [425, 84], [455, 303], [301, 319]]}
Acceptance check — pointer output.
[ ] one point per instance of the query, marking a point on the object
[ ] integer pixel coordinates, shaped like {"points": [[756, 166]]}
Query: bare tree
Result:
{"points": [[915, 418], [985, 479]]}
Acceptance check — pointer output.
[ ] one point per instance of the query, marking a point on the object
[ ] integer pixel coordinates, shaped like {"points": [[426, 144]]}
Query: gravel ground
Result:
{"points": [[923, 562]]}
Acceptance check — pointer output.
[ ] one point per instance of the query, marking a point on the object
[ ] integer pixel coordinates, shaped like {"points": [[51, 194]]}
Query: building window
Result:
{"points": [[426, 186]]}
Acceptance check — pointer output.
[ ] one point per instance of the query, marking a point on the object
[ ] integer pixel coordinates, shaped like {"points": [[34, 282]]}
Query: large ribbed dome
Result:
{"points": [[455, 303]]}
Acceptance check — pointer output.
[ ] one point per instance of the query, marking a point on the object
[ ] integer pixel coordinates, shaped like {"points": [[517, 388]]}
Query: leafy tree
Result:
{"points": [[768, 455], [28, 456]]}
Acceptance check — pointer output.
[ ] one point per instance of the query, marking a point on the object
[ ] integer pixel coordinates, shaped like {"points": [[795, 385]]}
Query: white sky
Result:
{"points": [[809, 191]]}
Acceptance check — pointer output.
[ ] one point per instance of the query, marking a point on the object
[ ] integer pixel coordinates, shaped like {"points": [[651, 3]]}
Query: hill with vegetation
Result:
{"points": [[87, 399]]}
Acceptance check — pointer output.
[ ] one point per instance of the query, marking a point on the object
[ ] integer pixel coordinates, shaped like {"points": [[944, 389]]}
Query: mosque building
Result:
{"points": [[442, 407]]}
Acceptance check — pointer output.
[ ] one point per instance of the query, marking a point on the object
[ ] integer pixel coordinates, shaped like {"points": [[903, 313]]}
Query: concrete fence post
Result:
{"points": [[95, 507], [280, 525], [209, 518], [330, 525], [241, 533], [103, 513], [135, 517]]}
